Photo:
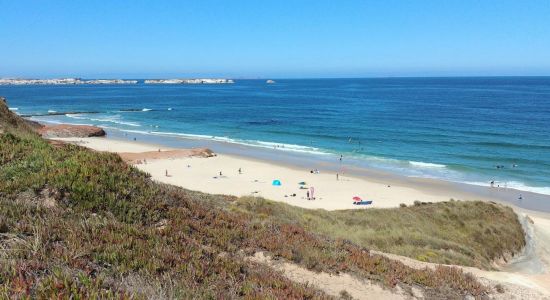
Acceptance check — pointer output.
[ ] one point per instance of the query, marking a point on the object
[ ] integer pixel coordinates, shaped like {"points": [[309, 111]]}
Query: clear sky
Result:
{"points": [[278, 39]]}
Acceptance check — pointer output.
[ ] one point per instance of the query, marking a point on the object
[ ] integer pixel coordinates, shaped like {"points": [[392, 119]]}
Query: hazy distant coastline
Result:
{"points": [[189, 81], [62, 81], [78, 81]]}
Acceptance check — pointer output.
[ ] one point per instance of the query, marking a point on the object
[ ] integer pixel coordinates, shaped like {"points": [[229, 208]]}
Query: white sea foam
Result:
{"points": [[146, 109], [13, 108], [420, 164], [287, 147], [113, 119], [50, 121], [51, 111], [514, 185], [251, 143], [169, 108]]}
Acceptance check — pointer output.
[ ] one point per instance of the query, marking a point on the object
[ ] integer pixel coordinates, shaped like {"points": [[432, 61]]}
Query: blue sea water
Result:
{"points": [[457, 129]]}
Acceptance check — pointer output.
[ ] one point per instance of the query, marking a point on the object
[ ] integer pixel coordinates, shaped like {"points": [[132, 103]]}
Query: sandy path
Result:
{"points": [[332, 284], [516, 285]]}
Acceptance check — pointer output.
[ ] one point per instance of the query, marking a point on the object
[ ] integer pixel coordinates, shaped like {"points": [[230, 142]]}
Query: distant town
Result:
{"points": [[78, 81]]}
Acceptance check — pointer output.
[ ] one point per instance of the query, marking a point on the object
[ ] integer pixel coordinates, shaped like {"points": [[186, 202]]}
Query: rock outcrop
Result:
{"points": [[63, 130]]}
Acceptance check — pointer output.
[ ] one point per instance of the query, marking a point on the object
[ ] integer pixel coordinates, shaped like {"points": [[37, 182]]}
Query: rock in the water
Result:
{"points": [[64, 130]]}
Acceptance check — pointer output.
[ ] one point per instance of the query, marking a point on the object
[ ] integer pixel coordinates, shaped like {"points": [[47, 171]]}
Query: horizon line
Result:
{"points": [[266, 78]]}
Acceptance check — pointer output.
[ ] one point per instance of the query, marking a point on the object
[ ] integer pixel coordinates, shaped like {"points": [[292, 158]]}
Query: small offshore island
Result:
{"points": [[189, 81]]}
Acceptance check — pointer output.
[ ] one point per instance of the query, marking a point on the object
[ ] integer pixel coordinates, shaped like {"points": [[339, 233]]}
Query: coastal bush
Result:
{"points": [[82, 224], [470, 233]]}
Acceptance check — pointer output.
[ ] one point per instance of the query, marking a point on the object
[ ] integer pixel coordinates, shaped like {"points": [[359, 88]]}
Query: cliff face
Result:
{"points": [[8, 119]]}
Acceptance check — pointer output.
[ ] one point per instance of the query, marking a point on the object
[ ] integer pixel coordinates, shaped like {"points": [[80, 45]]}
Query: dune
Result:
{"points": [[199, 169]]}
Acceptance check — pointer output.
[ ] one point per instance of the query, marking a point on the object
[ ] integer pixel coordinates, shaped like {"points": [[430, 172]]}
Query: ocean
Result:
{"points": [[471, 129]]}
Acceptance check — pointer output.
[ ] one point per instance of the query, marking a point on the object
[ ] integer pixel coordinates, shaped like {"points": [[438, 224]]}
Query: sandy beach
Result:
{"points": [[256, 178], [198, 169]]}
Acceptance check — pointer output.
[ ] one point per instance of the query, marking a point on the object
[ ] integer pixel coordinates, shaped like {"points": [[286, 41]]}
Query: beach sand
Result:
{"points": [[256, 178], [191, 169]]}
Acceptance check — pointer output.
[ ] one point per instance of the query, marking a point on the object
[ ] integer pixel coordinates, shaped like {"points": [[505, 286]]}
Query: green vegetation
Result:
{"points": [[80, 224], [470, 233]]}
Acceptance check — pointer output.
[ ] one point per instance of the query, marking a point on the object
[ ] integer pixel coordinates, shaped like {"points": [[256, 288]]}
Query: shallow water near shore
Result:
{"points": [[456, 129]]}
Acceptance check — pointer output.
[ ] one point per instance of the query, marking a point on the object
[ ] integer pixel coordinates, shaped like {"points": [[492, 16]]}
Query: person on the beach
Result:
{"points": [[341, 156], [492, 183], [166, 172], [307, 194], [337, 176], [240, 171], [520, 197], [220, 173]]}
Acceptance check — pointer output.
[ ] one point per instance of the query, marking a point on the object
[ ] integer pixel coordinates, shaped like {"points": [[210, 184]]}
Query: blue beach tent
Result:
{"points": [[276, 182]]}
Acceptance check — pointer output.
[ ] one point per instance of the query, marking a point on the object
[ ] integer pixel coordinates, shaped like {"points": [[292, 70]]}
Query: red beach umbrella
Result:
{"points": [[356, 199]]}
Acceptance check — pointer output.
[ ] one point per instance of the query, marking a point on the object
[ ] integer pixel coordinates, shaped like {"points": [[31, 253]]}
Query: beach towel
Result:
{"points": [[363, 202]]}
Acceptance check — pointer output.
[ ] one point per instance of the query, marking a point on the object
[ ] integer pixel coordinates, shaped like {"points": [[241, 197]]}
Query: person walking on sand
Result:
{"points": [[166, 172], [337, 176], [307, 194], [240, 171], [220, 173]]}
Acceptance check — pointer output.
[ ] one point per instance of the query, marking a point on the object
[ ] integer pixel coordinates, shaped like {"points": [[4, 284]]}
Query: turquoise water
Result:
{"points": [[457, 129]]}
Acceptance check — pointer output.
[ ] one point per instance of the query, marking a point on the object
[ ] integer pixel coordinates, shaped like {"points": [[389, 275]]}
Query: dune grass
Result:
{"points": [[75, 223], [469, 233]]}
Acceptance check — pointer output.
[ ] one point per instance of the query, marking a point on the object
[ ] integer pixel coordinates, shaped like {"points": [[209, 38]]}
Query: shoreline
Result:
{"points": [[286, 153], [527, 269], [530, 201], [433, 190]]}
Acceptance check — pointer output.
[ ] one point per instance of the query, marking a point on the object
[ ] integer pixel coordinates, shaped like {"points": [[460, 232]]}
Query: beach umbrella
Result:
{"points": [[356, 198], [302, 183]]}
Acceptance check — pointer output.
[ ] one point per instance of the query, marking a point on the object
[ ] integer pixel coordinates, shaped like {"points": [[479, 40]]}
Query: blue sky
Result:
{"points": [[279, 39]]}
